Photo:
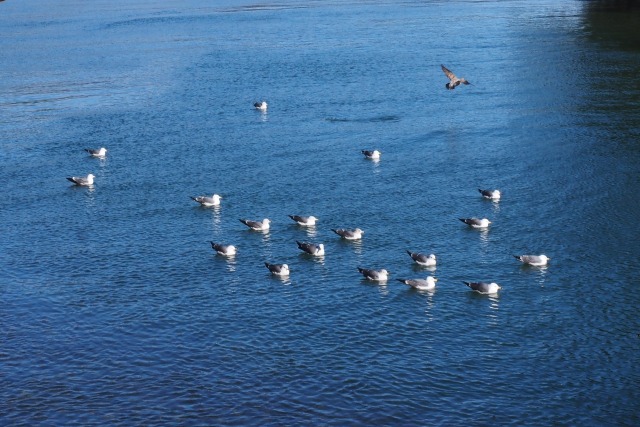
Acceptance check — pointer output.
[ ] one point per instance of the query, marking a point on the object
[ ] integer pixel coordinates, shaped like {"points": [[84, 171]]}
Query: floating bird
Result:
{"points": [[214, 200], [278, 269], [257, 225], [96, 152], [453, 80], [226, 250], [490, 194], [304, 220], [537, 260], [82, 180], [426, 260], [371, 154], [421, 284], [484, 288], [262, 105], [475, 222], [311, 248], [347, 234], [375, 275]]}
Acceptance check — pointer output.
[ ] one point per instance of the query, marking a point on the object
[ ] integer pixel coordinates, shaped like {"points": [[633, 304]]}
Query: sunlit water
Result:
{"points": [[115, 310]]}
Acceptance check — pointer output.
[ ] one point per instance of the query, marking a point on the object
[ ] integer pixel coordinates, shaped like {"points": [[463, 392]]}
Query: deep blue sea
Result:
{"points": [[115, 310]]}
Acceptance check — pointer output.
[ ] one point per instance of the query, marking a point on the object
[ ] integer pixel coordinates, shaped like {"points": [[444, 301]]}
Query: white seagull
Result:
{"points": [[304, 220], [261, 106], [453, 80], [82, 180], [475, 222], [347, 234], [375, 275], [426, 260], [371, 154], [257, 225], [421, 284], [214, 200], [311, 248], [484, 288], [96, 152], [278, 269], [226, 250], [537, 260], [490, 194]]}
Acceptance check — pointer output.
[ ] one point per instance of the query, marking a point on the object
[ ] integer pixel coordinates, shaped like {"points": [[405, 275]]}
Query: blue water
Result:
{"points": [[114, 310]]}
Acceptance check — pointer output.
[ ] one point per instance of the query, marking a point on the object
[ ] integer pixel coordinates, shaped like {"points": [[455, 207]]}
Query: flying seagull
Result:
{"points": [[304, 220], [347, 234], [484, 288], [537, 260], [375, 275], [226, 250], [96, 152], [490, 194], [257, 225], [453, 80], [475, 222], [82, 180], [214, 200], [311, 248], [278, 269], [426, 260], [421, 284]]}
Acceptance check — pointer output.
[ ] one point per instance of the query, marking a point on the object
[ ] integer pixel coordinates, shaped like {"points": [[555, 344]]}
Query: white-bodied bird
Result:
{"points": [[82, 180]]}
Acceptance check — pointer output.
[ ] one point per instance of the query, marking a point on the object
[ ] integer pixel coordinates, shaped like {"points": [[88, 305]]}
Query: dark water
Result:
{"points": [[115, 310]]}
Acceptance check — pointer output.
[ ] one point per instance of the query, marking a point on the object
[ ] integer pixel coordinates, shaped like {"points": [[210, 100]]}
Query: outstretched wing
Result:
{"points": [[448, 73]]}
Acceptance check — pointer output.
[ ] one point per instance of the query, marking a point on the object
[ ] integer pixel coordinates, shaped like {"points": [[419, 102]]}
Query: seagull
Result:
{"points": [[484, 288], [311, 248], [371, 154], [214, 200], [426, 260], [537, 260], [354, 234], [82, 180], [427, 284], [453, 80], [278, 269], [227, 250], [304, 220], [490, 194], [96, 152], [475, 222], [375, 275], [261, 106], [257, 225]]}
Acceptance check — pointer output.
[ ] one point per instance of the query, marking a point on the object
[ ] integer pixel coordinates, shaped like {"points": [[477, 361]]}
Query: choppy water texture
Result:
{"points": [[115, 310]]}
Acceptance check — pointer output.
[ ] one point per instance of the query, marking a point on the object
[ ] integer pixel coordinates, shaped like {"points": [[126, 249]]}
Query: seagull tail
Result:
{"points": [[402, 280], [266, 264], [71, 179], [518, 257], [467, 283]]}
